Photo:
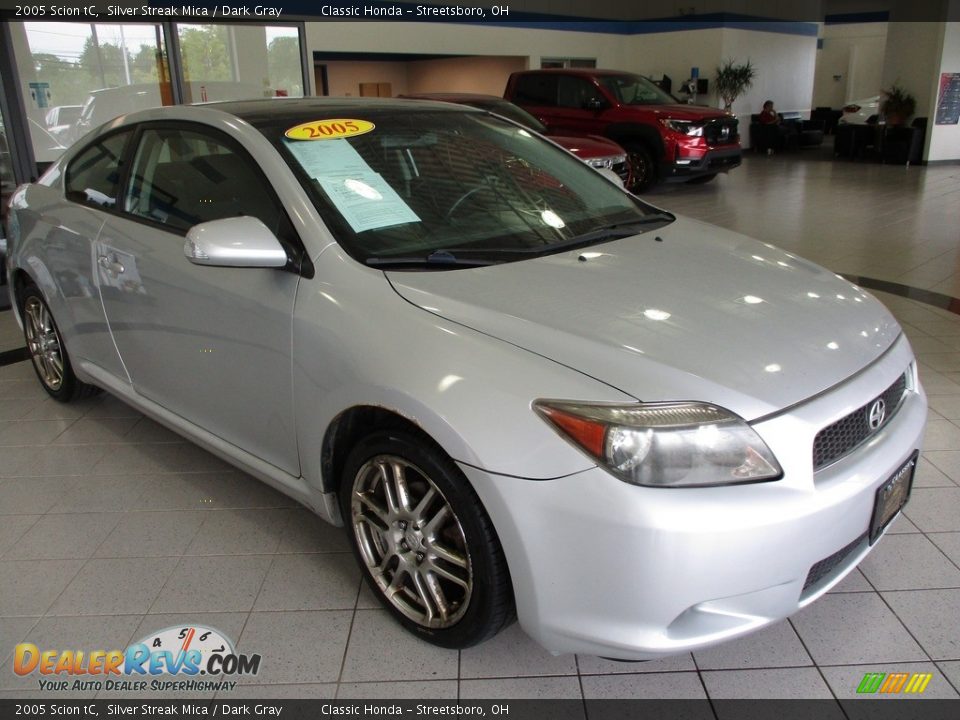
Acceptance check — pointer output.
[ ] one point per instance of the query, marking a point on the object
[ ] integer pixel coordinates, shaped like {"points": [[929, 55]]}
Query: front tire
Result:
{"points": [[642, 167], [425, 543], [47, 351]]}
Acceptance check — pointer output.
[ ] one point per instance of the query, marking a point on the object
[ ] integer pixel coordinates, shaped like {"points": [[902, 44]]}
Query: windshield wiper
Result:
{"points": [[437, 259], [616, 230], [613, 231]]}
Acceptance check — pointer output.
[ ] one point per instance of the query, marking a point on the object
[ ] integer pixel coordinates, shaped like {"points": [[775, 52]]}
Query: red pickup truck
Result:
{"points": [[666, 141]]}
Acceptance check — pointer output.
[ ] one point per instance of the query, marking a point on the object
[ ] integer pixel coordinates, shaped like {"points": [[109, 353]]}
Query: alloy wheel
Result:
{"points": [[411, 541], [43, 343]]}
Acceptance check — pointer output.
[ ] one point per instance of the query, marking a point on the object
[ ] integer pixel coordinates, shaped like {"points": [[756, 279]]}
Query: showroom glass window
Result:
{"points": [[239, 62], [94, 175], [183, 177], [91, 71]]}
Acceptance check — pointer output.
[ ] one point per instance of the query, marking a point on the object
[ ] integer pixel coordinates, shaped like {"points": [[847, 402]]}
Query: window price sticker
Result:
{"points": [[329, 129]]}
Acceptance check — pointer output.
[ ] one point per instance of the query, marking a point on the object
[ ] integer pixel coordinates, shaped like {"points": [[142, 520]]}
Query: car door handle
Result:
{"points": [[111, 265]]}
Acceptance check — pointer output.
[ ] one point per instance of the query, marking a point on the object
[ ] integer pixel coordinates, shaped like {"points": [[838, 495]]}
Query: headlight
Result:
{"points": [[665, 444], [607, 162], [684, 127]]}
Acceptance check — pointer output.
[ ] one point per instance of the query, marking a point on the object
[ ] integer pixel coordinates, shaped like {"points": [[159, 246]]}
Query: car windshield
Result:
{"points": [[450, 188], [635, 90]]}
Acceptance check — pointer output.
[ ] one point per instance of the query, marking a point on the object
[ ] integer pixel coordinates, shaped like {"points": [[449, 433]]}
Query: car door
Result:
{"points": [[211, 344], [91, 182], [580, 104]]}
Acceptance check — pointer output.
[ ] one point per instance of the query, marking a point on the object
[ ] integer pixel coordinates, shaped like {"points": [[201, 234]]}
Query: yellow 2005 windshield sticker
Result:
{"points": [[329, 129]]}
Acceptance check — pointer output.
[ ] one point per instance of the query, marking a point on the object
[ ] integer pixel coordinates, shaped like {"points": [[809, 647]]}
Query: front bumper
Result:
{"points": [[712, 162], [606, 568]]}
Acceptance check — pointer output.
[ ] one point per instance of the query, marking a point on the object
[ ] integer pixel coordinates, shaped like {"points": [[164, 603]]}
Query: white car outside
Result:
{"points": [[861, 112]]}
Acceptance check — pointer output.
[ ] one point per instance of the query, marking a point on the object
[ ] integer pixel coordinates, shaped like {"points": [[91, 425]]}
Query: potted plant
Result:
{"points": [[897, 105], [733, 80]]}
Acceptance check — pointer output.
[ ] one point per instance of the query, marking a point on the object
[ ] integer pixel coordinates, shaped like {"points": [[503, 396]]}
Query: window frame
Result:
{"points": [[69, 195], [297, 258]]}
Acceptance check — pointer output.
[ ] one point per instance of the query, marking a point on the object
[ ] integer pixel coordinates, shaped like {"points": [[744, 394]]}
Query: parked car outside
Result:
{"points": [[62, 115], [60, 121], [666, 141], [520, 388], [861, 112], [596, 151]]}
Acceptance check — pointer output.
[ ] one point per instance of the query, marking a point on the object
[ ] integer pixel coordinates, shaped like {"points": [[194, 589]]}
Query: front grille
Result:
{"points": [[846, 434], [829, 564], [722, 131], [724, 161]]}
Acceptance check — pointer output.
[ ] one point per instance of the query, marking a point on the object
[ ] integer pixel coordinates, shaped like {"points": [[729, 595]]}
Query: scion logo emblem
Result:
{"points": [[878, 411]]}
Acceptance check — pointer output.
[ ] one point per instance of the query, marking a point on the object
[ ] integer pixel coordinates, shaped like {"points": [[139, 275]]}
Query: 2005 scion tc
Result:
{"points": [[521, 389]]}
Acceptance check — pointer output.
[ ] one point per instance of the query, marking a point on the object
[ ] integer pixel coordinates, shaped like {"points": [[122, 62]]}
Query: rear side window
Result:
{"points": [[93, 176], [184, 177], [536, 90]]}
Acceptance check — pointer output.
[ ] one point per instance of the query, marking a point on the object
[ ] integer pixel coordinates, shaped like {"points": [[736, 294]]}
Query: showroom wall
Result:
{"points": [[487, 75], [465, 39], [784, 62], [854, 52], [945, 139], [345, 76], [472, 74]]}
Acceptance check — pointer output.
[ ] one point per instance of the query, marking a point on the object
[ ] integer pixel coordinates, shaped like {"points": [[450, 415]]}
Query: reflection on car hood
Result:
{"points": [[588, 147], [687, 312]]}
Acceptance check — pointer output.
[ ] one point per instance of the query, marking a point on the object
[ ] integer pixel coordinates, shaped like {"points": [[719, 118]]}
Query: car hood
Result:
{"points": [[684, 312], [688, 112], [588, 147]]}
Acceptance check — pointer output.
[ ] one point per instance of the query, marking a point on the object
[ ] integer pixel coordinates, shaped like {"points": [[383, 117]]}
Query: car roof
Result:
{"points": [[267, 110], [454, 97], [585, 72]]}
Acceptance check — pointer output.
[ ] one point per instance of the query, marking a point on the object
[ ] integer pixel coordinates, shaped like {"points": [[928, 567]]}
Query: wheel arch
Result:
{"points": [[352, 425], [627, 133]]}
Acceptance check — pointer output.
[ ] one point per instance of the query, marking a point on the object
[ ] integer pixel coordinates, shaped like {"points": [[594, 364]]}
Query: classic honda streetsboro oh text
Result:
{"points": [[521, 389]]}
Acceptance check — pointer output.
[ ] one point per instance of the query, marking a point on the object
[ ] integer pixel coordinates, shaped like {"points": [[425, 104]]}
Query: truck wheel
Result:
{"points": [[642, 166]]}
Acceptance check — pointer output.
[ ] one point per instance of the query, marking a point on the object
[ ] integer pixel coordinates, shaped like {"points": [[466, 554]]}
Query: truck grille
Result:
{"points": [[847, 433], [722, 131]]}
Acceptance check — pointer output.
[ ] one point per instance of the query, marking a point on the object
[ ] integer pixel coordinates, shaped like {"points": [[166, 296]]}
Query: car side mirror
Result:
{"points": [[234, 242]]}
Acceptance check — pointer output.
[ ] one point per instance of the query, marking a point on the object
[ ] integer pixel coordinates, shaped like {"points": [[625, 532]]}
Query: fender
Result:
{"points": [[623, 133], [459, 398]]}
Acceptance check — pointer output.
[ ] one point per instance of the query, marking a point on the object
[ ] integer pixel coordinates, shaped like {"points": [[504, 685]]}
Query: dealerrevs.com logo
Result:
{"points": [[174, 659]]}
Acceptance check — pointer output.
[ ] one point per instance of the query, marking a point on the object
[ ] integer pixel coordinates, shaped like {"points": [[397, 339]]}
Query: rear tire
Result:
{"points": [[47, 351], [424, 542]]}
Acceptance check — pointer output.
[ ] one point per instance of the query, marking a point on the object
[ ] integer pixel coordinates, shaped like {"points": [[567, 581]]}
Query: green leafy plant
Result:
{"points": [[897, 105], [733, 80]]}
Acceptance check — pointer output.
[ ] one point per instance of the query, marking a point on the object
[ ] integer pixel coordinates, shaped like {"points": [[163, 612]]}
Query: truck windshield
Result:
{"points": [[635, 90], [435, 183]]}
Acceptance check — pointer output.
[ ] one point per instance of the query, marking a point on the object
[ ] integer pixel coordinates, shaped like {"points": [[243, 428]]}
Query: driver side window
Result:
{"points": [[184, 177]]}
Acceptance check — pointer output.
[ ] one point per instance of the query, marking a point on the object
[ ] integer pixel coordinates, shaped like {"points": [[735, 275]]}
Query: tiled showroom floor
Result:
{"points": [[111, 527]]}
